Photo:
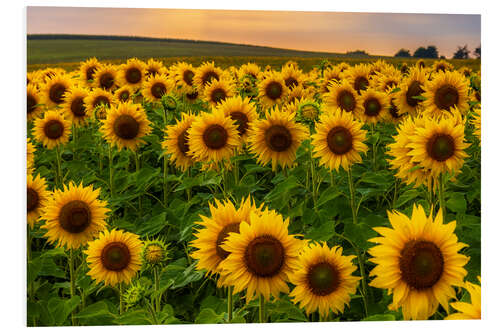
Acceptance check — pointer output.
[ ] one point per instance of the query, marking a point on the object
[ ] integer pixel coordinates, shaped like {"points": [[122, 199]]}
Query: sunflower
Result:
{"points": [[125, 126], [98, 101], [393, 111], [276, 138], [411, 87], [442, 66], [124, 94], [470, 310], [375, 106], [105, 77], [217, 91], [33, 78], [46, 74], [183, 74], [87, 70], [330, 76], [293, 76], [299, 92], [444, 91], [323, 279], [30, 155], [306, 109], [155, 67], [191, 97], [224, 218], [342, 95], [176, 142], [417, 260], [272, 90], [476, 121], [261, 256], [213, 137], [155, 87], [388, 80], [420, 63], [37, 197], [438, 145], [404, 68], [132, 73], [250, 69], [74, 215], [358, 77], [52, 130], [465, 71], [114, 257], [33, 102], [338, 140], [54, 89], [242, 111], [206, 73], [73, 107], [154, 253]]}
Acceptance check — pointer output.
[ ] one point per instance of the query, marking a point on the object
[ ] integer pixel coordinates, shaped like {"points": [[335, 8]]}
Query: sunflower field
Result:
{"points": [[180, 194]]}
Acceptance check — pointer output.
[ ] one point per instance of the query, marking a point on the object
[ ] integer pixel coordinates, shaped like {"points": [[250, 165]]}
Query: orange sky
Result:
{"points": [[377, 33]]}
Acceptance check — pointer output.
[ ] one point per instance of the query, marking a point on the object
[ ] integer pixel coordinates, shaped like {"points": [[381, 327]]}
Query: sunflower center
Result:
{"points": [[404, 69], [215, 136], [100, 100], [291, 82], [477, 94], [153, 253], [346, 101], [30, 103], [133, 75], [56, 93], [124, 96], [90, 72], [323, 279], [361, 83], [421, 264], [158, 90], [393, 110], [446, 96], [274, 90], [53, 129], [209, 76], [106, 80], [440, 68], [233, 227], [241, 120], [309, 111], [192, 96], [441, 147], [414, 90], [264, 256], [372, 107], [115, 256], [278, 138], [218, 95], [32, 199], [77, 107], [339, 140], [74, 216], [182, 142], [126, 127], [187, 76]]}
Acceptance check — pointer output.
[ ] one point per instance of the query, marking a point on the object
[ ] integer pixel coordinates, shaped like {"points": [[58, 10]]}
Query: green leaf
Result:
{"points": [[457, 203], [329, 194], [208, 316], [96, 314], [406, 196], [138, 317], [380, 317], [61, 309], [154, 225]]}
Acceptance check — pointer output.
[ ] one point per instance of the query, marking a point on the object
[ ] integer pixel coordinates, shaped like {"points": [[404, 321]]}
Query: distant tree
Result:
{"points": [[421, 52], [403, 53], [357, 53], [429, 52], [432, 52], [477, 52], [461, 53], [442, 57]]}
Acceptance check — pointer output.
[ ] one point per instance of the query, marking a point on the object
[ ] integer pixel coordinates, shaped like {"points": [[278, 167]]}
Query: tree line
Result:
{"points": [[431, 51]]}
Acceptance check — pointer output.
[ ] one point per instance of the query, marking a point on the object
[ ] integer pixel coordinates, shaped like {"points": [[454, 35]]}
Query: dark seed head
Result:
{"points": [[208, 77], [278, 138], [446, 96], [372, 107], [126, 127], [115, 256], [233, 227], [53, 129], [32, 199], [215, 136], [346, 101], [158, 90], [440, 147], [182, 142], [241, 120], [75, 216], [78, 107], [421, 264], [106, 81], [133, 75], [274, 90], [414, 89], [264, 256], [56, 93], [323, 279], [339, 140]]}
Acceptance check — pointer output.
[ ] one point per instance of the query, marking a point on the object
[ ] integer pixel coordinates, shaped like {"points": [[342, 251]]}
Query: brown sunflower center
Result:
{"points": [[187, 76], [78, 107], [274, 90], [414, 90], [346, 100], [421, 264], [241, 120], [158, 90], [124, 96], [192, 96], [264, 256], [53, 129], [404, 69], [339, 140], [440, 147], [133, 75], [421, 64], [446, 96], [90, 72], [372, 107], [32, 199], [101, 100], [218, 95], [477, 94], [30, 103], [278, 138], [75, 216], [126, 127], [291, 82], [106, 80], [441, 68], [233, 227], [323, 279], [182, 142], [209, 76], [393, 110], [215, 136], [115, 256], [56, 93], [361, 83]]}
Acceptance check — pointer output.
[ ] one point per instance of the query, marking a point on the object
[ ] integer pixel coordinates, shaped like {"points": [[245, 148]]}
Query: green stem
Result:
{"points": [[165, 174], [374, 147], [72, 282], [157, 290], [110, 156], [188, 190], [236, 172], [441, 189], [262, 318], [58, 171], [120, 295], [313, 177], [137, 168], [352, 197], [75, 141], [230, 303]]}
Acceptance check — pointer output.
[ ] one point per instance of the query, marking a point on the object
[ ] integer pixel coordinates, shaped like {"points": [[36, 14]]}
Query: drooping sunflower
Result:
{"points": [[132, 73], [37, 197], [176, 142], [87, 70], [114, 257], [33, 101], [444, 91], [276, 138], [242, 111], [358, 77], [330, 75], [470, 310], [124, 94], [417, 260], [155, 87], [224, 218], [342, 95], [125, 126], [261, 256], [74, 215], [441, 66], [73, 106], [213, 137], [30, 155], [272, 90], [206, 73], [217, 91], [323, 279], [52, 130], [250, 69], [183, 74], [375, 106], [54, 89], [411, 87], [338, 140], [155, 67], [98, 102], [105, 77]]}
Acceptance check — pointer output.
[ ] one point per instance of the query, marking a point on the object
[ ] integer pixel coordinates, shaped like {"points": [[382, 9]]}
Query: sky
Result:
{"points": [[376, 33]]}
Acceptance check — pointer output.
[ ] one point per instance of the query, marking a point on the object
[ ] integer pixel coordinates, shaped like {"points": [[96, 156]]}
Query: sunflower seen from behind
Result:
{"points": [[52, 130], [446, 90], [74, 108], [74, 215], [468, 310], [242, 111], [176, 142], [114, 257], [418, 261], [37, 197], [323, 279]]}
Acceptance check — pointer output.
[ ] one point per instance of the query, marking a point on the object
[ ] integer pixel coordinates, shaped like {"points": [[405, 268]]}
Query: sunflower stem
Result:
{"points": [[58, 170], [157, 290], [313, 177], [441, 189], [72, 282], [188, 190], [230, 303], [363, 280], [110, 156], [374, 147], [352, 196], [120, 295], [165, 174], [137, 168], [74, 130], [262, 318]]}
